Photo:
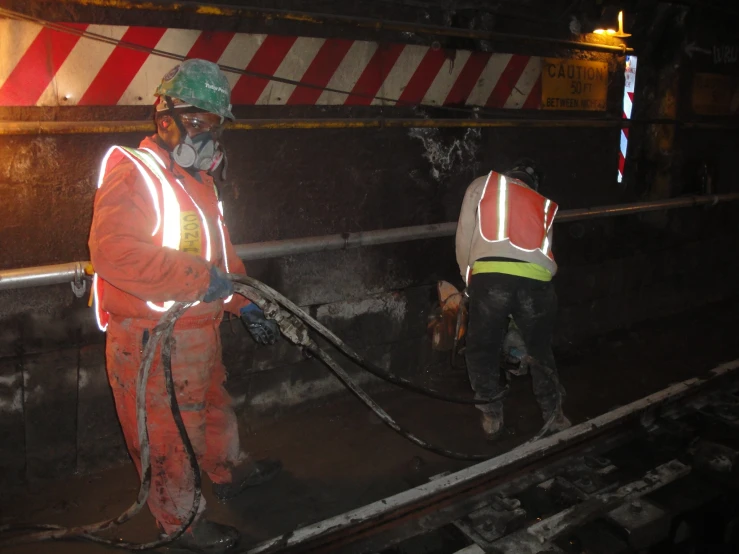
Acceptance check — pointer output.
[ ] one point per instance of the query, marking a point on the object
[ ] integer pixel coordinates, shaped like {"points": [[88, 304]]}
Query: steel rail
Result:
{"points": [[75, 271], [12, 128], [349, 531], [253, 12]]}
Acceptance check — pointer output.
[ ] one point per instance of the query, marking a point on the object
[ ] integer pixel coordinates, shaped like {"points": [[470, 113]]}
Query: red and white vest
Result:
{"points": [[173, 206], [510, 211]]}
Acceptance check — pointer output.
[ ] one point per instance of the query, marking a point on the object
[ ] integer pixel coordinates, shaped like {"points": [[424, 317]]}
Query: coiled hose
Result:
{"points": [[162, 335], [291, 321]]}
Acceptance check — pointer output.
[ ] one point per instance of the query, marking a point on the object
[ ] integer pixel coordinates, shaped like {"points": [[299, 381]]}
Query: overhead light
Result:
{"points": [[612, 32]]}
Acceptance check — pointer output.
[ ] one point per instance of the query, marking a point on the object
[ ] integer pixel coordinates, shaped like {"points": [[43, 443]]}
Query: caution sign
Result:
{"points": [[713, 94], [190, 233], [573, 85]]}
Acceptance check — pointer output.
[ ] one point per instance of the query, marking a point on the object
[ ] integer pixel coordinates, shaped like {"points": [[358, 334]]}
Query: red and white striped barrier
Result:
{"points": [[44, 67], [630, 81]]}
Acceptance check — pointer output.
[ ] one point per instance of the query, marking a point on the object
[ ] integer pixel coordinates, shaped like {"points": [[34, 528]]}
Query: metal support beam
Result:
{"points": [[268, 14], [109, 127], [64, 273]]}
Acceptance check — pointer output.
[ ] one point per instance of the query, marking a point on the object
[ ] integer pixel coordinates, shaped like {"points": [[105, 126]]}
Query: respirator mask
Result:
{"points": [[201, 151]]}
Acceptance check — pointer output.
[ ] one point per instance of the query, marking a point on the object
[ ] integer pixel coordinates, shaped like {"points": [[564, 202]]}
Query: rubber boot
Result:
{"points": [[246, 476], [207, 537], [560, 423]]}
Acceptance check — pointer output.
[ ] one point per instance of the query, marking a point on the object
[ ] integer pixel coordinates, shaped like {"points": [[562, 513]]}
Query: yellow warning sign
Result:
{"points": [[190, 235], [573, 85], [712, 94]]}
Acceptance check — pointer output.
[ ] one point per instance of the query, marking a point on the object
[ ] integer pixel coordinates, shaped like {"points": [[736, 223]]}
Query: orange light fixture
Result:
{"points": [[612, 32]]}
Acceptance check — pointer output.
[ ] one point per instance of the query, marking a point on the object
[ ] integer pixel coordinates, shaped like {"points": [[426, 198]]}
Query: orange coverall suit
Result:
{"points": [[134, 269]]}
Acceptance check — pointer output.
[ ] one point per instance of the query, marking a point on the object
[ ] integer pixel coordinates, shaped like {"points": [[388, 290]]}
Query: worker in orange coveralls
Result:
{"points": [[158, 237]]}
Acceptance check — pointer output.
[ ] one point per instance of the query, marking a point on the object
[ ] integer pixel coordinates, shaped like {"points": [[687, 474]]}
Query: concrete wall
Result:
{"points": [[57, 412]]}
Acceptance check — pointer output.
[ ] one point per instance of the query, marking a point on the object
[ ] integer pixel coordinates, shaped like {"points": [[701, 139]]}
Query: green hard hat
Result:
{"points": [[199, 83]]}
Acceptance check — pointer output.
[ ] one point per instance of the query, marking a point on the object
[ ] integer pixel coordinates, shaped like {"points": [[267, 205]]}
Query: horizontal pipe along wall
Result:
{"points": [[287, 183]]}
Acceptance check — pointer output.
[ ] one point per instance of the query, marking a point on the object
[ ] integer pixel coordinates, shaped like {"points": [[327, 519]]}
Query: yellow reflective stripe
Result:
{"points": [[528, 270], [545, 242], [502, 206]]}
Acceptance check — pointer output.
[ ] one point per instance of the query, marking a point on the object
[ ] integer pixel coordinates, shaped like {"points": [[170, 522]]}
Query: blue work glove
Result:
{"points": [[263, 330], [219, 287]]}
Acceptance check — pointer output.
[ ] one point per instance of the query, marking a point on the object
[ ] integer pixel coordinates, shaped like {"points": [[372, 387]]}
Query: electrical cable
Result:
{"points": [[290, 320], [256, 291], [473, 110], [352, 354]]}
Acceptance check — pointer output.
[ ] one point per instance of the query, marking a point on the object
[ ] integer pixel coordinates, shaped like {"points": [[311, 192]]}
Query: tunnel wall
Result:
{"points": [[57, 411]]}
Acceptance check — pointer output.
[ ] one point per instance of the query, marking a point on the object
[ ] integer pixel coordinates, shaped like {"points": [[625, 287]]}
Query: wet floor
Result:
{"points": [[339, 456]]}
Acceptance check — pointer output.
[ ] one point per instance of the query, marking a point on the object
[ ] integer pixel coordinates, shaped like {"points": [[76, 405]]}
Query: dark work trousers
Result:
{"points": [[533, 305]]}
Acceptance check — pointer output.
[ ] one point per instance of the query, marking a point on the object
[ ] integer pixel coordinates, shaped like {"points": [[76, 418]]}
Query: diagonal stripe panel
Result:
{"points": [[141, 88], [323, 66], [507, 82], [239, 53], [17, 37], [374, 74], [348, 72], [488, 79], [79, 69], [467, 79], [424, 76], [525, 85], [121, 67], [50, 68], [210, 45], [36, 69], [293, 67], [442, 84], [397, 79], [533, 102], [266, 60]]}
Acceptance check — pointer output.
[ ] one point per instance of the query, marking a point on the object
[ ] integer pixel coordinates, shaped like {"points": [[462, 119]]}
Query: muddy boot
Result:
{"points": [[560, 423], [206, 537], [492, 424], [245, 476]]}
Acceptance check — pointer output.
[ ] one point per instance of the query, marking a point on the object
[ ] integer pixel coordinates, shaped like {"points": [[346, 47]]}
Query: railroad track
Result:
{"points": [[608, 469]]}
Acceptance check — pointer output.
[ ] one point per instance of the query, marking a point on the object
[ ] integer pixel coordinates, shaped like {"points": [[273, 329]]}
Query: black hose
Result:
{"points": [[45, 532], [164, 332], [383, 415], [254, 290], [352, 354], [292, 328]]}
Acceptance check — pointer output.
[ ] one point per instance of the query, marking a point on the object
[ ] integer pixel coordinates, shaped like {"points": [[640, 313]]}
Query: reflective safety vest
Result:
{"points": [[510, 211], [176, 211]]}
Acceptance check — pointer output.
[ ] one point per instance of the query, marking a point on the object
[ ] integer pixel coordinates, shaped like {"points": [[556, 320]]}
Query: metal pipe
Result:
{"points": [[107, 127], [225, 10], [42, 275], [74, 272]]}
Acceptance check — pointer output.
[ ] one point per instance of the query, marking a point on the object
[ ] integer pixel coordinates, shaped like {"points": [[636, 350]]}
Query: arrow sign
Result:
{"points": [[693, 48]]}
